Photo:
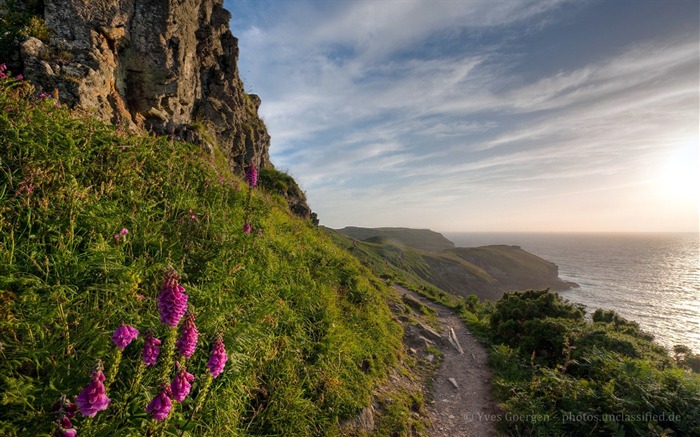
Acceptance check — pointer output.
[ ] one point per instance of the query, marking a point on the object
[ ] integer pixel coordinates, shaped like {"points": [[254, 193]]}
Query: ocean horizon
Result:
{"points": [[650, 278]]}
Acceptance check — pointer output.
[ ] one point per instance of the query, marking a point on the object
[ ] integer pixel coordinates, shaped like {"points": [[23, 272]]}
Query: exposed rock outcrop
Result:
{"points": [[169, 66]]}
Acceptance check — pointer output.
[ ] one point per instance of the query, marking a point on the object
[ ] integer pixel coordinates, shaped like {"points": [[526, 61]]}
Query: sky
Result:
{"points": [[482, 115]]}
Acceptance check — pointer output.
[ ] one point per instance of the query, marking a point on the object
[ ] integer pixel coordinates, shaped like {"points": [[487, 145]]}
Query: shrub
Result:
{"points": [[582, 378]]}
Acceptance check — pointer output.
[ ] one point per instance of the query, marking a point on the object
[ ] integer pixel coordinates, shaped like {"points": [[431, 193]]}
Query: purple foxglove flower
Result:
{"points": [[181, 385], [251, 175], [150, 350], [70, 432], [70, 410], [187, 342], [160, 406], [246, 228], [124, 335], [65, 407], [93, 398], [172, 300], [66, 428], [218, 358]]}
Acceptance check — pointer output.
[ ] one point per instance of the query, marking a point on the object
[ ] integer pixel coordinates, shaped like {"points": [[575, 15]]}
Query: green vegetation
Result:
{"points": [[557, 373], [280, 183], [393, 262], [307, 328], [19, 23], [418, 238]]}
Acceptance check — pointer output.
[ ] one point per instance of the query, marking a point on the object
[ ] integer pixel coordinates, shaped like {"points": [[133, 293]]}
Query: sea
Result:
{"points": [[653, 279]]}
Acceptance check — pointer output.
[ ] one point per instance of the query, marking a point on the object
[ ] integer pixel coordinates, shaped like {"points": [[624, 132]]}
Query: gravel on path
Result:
{"points": [[462, 403]]}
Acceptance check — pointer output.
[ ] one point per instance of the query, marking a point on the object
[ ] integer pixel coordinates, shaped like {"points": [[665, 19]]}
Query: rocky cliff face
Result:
{"points": [[169, 66]]}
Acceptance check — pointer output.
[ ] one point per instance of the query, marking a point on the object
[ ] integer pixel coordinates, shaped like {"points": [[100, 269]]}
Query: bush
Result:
{"points": [[280, 183], [583, 378]]}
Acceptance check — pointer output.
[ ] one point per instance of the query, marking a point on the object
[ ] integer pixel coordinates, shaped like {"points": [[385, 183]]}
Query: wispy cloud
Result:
{"points": [[387, 106]]}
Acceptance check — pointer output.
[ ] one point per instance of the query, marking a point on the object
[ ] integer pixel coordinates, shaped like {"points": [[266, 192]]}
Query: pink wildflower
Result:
{"points": [[187, 342], [64, 407], [160, 406], [246, 228], [181, 385], [93, 398], [64, 410], [218, 358], [251, 175], [150, 350], [172, 301], [124, 335], [121, 234], [66, 428], [27, 185]]}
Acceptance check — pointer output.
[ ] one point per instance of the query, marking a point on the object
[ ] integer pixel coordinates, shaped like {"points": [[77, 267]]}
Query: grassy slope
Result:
{"points": [[392, 261], [418, 238], [307, 328]]}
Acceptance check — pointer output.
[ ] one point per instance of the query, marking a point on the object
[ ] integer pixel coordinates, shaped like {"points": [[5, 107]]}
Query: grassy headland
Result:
{"points": [[427, 257]]}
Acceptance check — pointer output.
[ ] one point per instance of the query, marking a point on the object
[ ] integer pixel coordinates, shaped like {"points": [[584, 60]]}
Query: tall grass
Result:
{"points": [[307, 329]]}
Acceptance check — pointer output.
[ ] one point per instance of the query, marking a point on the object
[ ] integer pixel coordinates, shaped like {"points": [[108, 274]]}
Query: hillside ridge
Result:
{"points": [[417, 238]]}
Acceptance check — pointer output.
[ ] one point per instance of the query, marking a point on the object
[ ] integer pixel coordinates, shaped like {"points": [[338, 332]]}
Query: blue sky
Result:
{"points": [[482, 115]]}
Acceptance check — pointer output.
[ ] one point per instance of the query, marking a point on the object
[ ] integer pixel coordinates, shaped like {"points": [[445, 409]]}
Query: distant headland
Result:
{"points": [[486, 271]]}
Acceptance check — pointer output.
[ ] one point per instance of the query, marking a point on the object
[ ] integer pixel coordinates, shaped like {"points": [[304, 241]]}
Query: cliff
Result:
{"points": [[167, 66]]}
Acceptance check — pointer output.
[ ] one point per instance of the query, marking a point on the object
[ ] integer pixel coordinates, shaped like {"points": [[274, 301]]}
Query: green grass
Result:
{"points": [[307, 328], [395, 263]]}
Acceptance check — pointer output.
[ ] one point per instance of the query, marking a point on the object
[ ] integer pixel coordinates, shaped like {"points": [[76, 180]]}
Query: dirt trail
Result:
{"points": [[463, 410]]}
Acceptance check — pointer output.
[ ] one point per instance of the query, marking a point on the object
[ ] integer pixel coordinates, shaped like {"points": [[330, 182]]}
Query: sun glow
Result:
{"points": [[681, 173]]}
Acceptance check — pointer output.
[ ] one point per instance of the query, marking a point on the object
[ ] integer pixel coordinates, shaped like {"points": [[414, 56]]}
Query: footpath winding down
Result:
{"points": [[462, 403]]}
